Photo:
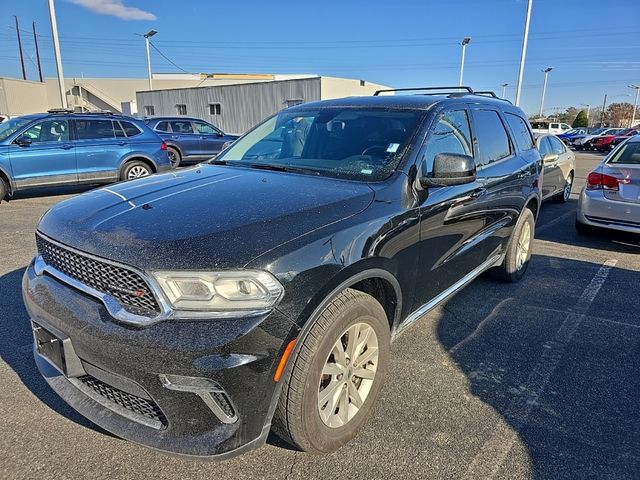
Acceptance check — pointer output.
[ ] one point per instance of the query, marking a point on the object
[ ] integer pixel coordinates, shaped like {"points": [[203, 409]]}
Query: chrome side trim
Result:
{"points": [[448, 293]]}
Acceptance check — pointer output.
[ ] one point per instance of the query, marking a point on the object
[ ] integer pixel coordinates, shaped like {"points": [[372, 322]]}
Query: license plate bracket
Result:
{"points": [[50, 347]]}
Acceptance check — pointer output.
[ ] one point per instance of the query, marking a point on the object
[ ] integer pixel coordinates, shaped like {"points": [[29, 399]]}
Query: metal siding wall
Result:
{"points": [[243, 106]]}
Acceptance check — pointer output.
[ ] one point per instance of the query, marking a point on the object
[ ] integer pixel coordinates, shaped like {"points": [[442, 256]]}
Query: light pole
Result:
{"points": [[523, 54], [504, 89], [56, 52], [464, 43], [544, 88], [147, 36], [588, 111], [635, 104]]}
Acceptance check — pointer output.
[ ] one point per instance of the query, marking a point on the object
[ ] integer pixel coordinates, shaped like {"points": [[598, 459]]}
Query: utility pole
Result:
{"points": [[464, 43], [544, 88], [604, 104], [147, 36], [523, 54], [504, 89], [56, 51], [35, 41], [24, 72], [635, 104]]}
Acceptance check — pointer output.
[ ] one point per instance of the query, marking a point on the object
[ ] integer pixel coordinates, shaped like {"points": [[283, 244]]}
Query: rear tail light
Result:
{"points": [[163, 146], [600, 181]]}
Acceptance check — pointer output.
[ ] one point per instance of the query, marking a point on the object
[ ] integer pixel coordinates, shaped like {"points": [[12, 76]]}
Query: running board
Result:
{"points": [[448, 293]]}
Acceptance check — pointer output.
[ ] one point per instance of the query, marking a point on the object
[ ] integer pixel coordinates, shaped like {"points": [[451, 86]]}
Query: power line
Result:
{"points": [[167, 58]]}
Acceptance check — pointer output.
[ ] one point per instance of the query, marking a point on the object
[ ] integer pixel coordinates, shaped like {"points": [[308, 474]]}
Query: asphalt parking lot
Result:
{"points": [[533, 380]]}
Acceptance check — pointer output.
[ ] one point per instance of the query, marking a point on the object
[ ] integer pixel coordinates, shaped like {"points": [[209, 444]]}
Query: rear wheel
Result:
{"points": [[518, 253], [174, 157], [564, 195], [336, 375], [3, 189], [135, 169]]}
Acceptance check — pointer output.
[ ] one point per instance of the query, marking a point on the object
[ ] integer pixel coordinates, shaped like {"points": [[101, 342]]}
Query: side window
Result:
{"points": [[521, 132], [202, 127], [130, 129], [555, 125], [215, 109], [556, 145], [493, 141], [118, 130], [162, 127], [181, 109], [49, 131], [181, 126], [149, 110], [545, 146], [450, 135], [94, 129]]}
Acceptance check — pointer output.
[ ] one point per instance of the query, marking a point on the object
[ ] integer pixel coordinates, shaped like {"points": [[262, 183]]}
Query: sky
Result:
{"points": [[593, 46]]}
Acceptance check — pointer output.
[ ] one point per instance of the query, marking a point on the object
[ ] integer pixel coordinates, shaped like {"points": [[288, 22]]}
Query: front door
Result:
{"points": [[183, 134], [211, 139], [50, 159]]}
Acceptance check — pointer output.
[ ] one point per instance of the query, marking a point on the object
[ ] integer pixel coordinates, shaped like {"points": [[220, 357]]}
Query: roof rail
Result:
{"points": [[492, 94], [468, 89], [98, 112], [59, 110]]}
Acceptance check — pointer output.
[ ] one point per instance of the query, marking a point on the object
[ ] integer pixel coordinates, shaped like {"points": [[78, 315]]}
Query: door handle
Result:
{"points": [[122, 143], [66, 147]]}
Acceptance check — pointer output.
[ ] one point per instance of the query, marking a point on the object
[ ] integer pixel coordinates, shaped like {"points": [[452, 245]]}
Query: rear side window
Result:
{"points": [[556, 145], [545, 146], [521, 133], [118, 130], [94, 129], [181, 127], [450, 135], [130, 129], [162, 127], [493, 141]]}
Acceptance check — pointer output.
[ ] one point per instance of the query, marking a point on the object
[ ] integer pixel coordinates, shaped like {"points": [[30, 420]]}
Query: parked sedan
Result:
{"points": [[559, 168], [608, 142], [586, 142], [189, 140], [569, 135], [611, 196]]}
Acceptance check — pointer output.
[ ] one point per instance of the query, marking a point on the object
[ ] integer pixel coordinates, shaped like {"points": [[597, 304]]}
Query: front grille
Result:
{"points": [[133, 403], [128, 287]]}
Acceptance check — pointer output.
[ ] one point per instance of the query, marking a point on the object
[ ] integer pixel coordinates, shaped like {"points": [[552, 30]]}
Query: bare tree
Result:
{"points": [[620, 114]]}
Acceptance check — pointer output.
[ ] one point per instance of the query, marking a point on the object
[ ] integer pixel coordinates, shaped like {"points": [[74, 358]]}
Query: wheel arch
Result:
{"points": [[7, 179], [137, 157]]}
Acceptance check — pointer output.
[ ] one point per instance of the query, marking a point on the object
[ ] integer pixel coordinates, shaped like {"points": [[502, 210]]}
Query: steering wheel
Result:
{"points": [[373, 147]]}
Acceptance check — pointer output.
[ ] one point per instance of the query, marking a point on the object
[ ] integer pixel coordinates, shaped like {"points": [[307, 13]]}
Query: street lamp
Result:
{"points": [[544, 88], [147, 36], [588, 111], [504, 89], [56, 53], [464, 43], [635, 104], [523, 53]]}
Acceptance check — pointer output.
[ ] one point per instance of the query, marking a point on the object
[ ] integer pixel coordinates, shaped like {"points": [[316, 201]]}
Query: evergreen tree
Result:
{"points": [[581, 120]]}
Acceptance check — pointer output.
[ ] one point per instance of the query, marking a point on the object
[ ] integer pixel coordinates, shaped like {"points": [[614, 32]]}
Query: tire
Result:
{"points": [[174, 157], [135, 169], [565, 194], [517, 257], [3, 190], [298, 419]]}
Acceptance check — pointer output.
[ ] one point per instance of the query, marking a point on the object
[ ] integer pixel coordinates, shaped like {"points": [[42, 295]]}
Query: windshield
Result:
{"points": [[629, 153], [357, 144], [10, 127]]}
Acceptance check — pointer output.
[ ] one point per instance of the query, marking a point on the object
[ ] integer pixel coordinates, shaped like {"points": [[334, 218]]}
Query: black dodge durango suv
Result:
{"points": [[270, 302]]}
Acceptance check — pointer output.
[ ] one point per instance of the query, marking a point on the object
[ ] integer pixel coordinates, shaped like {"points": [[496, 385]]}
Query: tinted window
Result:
{"points": [[450, 135], [118, 130], [49, 131], [162, 127], [203, 127], [94, 129], [556, 145], [493, 141], [181, 126], [521, 133], [130, 129], [629, 153]]}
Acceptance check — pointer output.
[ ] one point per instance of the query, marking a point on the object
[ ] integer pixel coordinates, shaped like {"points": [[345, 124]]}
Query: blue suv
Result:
{"points": [[65, 148], [189, 140]]}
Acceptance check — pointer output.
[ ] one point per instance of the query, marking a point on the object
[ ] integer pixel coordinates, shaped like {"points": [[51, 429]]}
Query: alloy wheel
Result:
{"points": [[524, 243], [348, 375], [567, 187], [173, 158], [137, 172]]}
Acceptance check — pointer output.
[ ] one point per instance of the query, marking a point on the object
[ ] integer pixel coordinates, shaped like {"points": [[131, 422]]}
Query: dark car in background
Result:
{"points": [[65, 148], [195, 311], [609, 142], [189, 140]]}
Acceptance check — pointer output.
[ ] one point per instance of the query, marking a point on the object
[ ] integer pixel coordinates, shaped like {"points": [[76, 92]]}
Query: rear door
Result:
{"points": [[550, 168], [49, 160], [211, 139], [100, 146], [184, 135], [557, 147]]}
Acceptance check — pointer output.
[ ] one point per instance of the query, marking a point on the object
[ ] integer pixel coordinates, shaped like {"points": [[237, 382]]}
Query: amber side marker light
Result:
{"points": [[283, 360]]}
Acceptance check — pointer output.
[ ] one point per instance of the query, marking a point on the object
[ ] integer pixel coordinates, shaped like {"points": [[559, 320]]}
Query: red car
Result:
{"points": [[608, 142]]}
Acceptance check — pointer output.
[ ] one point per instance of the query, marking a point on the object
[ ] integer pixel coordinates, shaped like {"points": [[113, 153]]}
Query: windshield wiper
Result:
{"points": [[282, 168], [213, 161]]}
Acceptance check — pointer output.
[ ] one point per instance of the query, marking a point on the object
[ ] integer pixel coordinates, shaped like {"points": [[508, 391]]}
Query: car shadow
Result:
{"points": [[562, 374], [16, 348]]}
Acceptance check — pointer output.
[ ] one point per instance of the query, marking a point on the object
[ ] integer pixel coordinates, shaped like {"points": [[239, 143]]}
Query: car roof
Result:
{"points": [[181, 117]]}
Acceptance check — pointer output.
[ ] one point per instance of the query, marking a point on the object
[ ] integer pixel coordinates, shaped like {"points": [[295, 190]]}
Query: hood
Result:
{"points": [[205, 217]]}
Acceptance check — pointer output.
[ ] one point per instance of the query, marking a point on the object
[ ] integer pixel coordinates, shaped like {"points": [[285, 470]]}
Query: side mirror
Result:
{"points": [[550, 157], [23, 141], [451, 169]]}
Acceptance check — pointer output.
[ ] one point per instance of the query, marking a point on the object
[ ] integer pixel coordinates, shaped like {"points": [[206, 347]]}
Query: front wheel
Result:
{"points": [[135, 169], [336, 376], [518, 253]]}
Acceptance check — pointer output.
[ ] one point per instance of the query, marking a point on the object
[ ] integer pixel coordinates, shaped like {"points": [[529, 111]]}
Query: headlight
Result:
{"points": [[223, 291]]}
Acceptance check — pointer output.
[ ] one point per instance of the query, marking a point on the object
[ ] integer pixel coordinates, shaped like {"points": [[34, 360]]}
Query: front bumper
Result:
{"points": [[595, 210], [116, 375]]}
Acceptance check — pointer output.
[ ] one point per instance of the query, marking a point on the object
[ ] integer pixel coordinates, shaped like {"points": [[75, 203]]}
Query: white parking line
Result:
{"points": [[494, 451]]}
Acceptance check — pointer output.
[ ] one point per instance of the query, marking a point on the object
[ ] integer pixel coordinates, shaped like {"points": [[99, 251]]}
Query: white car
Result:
{"points": [[547, 128], [580, 143]]}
